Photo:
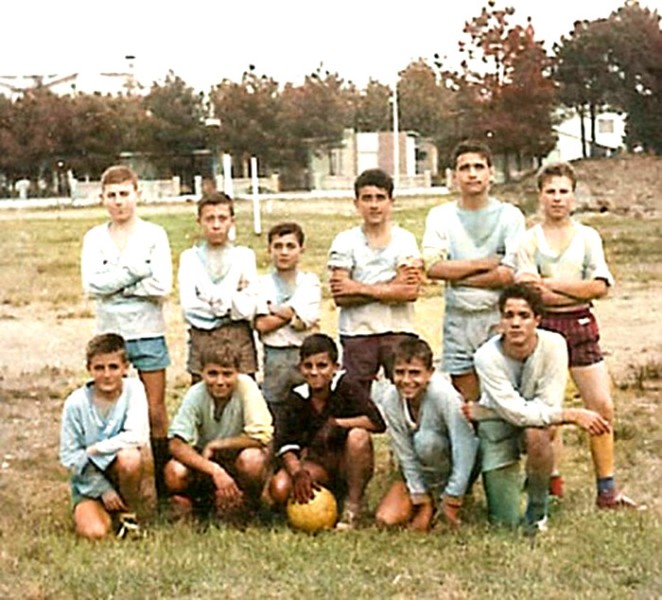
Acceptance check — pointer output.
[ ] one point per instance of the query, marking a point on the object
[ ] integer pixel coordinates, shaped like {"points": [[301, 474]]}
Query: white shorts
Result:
{"points": [[464, 332]]}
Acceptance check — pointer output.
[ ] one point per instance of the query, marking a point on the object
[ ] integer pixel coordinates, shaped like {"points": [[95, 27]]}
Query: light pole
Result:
{"points": [[214, 125]]}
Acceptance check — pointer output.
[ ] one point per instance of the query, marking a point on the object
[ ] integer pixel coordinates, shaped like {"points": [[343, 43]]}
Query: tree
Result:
{"points": [[372, 110]]}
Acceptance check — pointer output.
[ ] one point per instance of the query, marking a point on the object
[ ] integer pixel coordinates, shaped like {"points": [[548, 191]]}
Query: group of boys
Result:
{"points": [[234, 445]]}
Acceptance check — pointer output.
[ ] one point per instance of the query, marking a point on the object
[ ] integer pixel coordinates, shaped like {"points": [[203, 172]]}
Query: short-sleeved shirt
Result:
{"points": [[299, 422], [351, 251], [198, 421], [454, 233]]}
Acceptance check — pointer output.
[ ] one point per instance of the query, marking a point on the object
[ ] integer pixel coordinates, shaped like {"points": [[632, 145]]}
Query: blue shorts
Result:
{"points": [[464, 332], [148, 354]]}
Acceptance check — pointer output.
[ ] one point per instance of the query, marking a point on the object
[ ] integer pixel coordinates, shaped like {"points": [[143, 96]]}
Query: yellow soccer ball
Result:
{"points": [[315, 515]]}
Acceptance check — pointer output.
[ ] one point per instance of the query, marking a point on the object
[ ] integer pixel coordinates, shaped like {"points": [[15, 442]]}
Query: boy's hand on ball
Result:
{"points": [[303, 486]]}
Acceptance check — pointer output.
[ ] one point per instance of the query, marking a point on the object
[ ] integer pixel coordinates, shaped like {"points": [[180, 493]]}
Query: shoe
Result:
{"points": [[613, 499], [533, 529], [556, 486], [349, 519], [128, 526]]}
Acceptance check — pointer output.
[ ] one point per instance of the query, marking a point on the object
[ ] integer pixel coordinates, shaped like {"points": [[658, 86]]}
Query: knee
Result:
{"points": [[129, 462], [92, 526], [176, 476], [604, 406], [280, 487], [252, 463], [359, 441], [538, 443]]}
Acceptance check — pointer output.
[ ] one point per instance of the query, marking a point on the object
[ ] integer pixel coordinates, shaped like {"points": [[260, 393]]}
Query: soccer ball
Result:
{"points": [[319, 513]]}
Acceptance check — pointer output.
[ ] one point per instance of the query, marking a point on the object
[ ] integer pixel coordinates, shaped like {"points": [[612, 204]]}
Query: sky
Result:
{"points": [[206, 41]]}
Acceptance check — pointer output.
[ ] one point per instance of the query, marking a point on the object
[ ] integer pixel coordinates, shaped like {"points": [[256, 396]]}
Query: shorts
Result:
{"points": [[581, 333], [238, 334], [148, 354], [281, 373], [501, 444], [363, 355], [464, 332]]}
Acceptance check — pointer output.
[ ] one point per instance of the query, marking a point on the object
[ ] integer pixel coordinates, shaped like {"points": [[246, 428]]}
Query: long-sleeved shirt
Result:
{"points": [[440, 413], [126, 425], [198, 423], [304, 298], [528, 393], [217, 285], [128, 286]]}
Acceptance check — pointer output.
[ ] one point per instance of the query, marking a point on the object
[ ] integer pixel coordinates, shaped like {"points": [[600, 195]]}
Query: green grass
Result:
{"points": [[585, 554]]}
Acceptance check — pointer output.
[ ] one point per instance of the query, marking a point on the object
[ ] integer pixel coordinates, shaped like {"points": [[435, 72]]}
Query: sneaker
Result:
{"points": [[556, 486], [533, 529], [128, 526], [349, 519], [614, 499]]}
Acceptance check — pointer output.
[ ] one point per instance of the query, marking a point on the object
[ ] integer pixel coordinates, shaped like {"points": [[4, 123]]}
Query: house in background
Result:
{"points": [[338, 167]]}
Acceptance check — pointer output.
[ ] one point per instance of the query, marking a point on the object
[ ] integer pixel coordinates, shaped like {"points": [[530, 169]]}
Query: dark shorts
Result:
{"points": [[580, 330], [363, 355], [148, 354], [238, 334]]}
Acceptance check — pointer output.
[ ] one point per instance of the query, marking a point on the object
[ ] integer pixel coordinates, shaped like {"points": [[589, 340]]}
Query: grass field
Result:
{"points": [[586, 554]]}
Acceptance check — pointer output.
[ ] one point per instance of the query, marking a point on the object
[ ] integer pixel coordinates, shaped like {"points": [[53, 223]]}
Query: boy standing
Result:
{"points": [[104, 425], [126, 266], [565, 262], [289, 308], [219, 439], [433, 443], [323, 435], [375, 278], [215, 289], [470, 244], [523, 374]]}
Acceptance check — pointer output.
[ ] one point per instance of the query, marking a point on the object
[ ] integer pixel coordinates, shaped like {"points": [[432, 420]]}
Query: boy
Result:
{"points": [[219, 440], [126, 266], [375, 276], [565, 261], [323, 435], [470, 244], [289, 309], [215, 289], [523, 373], [434, 445], [104, 425]]}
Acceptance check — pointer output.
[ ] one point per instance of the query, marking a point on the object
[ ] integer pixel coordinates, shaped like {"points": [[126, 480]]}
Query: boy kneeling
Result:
{"points": [[323, 433], [219, 440], [104, 425]]}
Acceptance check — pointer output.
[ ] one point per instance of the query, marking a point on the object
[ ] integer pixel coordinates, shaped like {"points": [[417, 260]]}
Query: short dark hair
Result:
{"points": [[105, 343], [317, 343], [375, 177], [119, 174], [521, 291], [471, 146], [222, 354], [286, 228], [215, 199], [411, 348], [558, 169]]}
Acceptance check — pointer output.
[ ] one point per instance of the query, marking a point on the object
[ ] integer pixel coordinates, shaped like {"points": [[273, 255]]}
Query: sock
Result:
{"points": [[606, 484]]}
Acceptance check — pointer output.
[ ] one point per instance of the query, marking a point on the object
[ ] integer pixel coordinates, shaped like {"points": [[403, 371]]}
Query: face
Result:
{"points": [[472, 174], [120, 200], [411, 378], [518, 323], [285, 252], [215, 222], [220, 380], [374, 205], [107, 371], [318, 370], [556, 198]]}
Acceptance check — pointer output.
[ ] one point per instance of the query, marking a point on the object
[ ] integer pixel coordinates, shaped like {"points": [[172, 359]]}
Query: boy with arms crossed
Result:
{"points": [[470, 244], [219, 439], [126, 266], [523, 374], [434, 445], [215, 288], [289, 309], [323, 435], [565, 262], [104, 425], [375, 278]]}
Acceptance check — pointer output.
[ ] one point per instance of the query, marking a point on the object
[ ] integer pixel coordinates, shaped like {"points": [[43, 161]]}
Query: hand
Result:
{"points": [[303, 486], [450, 508], [228, 495], [212, 448], [528, 278], [422, 519], [92, 450], [467, 409], [410, 272], [112, 501], [589, 420], [342, 285]]}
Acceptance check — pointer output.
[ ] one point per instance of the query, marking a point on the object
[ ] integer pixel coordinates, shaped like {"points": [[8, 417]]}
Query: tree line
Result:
{"points": [[507, 88]]}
